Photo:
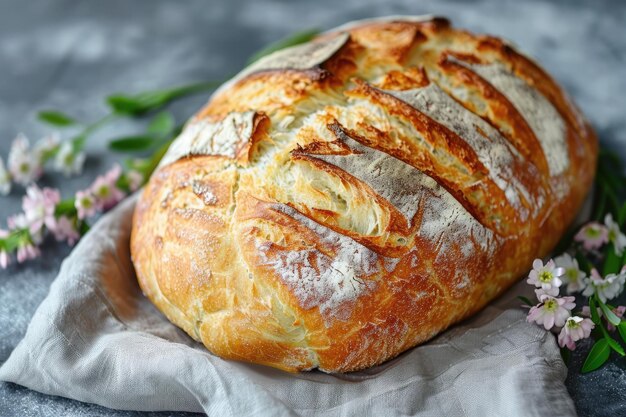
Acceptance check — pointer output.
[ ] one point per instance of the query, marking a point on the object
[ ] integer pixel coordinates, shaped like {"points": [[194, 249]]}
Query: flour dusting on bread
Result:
{"points": [[543, 118], [203, 137], [319, 280]]}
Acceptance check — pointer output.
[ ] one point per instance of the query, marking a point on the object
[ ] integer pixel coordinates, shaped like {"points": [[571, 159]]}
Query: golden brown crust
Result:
{"points": [[355, 196]]}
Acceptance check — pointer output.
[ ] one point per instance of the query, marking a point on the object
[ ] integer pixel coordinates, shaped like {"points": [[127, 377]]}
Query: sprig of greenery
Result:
{"points": [[598, 355], [56, 118], [603, 260], [135, 105]]}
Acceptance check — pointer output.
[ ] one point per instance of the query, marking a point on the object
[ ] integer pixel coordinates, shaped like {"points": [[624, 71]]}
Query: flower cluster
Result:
{"points": [[45, 212], [564, 275], [554, 311], [594, 235], [25, 163], [104, 193]]}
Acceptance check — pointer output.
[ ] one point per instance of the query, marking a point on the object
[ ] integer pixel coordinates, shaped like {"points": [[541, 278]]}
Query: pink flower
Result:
{"points": [[615, 235], [606, 288], [4, 259], [552, 312], [105, 190], [545, 276], [4, 256], [65, 229], [586, 311], [85, 204], [24, 165], [135, 179], [592, 235], [39, 207], [575, 328], [619, 312], [27, 251]]}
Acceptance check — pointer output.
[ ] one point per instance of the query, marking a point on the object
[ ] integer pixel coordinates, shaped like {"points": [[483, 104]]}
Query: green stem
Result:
{"points": [[78, 143]]}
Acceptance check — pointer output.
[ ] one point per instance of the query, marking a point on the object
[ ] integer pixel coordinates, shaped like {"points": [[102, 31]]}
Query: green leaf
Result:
{"points": [[13, 240], [78, 142], [621, 218], [132, 143], [135, 105], [609, 179], [610, 316], [83, 228], [141, 103], [593, 308], [566, 355], [65, 208], [612, 262], [55, 118], [622, 330], [613, 344], [525, 300], [162, 124], [598, 355], [293, 40], [607, 155]]}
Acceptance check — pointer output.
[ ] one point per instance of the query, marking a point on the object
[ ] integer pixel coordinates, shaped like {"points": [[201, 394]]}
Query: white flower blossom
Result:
{"points": [[606, 288], [573, 276], [135, 179], [615, 235], [68, 161], [23, 163], [85, 204], [542, 294], [45, 146], [545, 276]]}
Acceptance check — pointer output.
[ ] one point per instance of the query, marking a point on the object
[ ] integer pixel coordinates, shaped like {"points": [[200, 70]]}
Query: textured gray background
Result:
{"points": [[68, 54]]}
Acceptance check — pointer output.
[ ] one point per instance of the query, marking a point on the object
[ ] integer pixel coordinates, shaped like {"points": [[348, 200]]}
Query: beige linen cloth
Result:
{"points": [[96, 338]]}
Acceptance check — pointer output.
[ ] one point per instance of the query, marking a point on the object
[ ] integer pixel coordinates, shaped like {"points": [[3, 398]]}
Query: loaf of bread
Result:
{"points": [[341, 201]]}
